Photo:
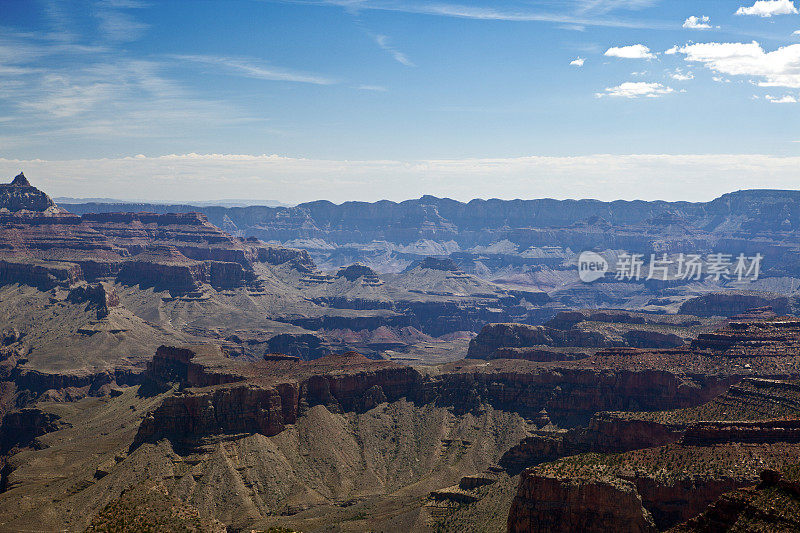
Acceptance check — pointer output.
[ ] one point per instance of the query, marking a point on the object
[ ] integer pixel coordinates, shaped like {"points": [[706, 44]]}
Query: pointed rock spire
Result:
{"points": [[21, 181]]}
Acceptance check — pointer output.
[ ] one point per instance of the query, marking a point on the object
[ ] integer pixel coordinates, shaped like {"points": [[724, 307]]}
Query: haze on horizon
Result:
{"points": [[342, 100]]}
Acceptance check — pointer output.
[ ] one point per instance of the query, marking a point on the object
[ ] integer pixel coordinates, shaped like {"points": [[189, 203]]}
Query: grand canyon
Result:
{"points": [[400, 266], [422, 366]]}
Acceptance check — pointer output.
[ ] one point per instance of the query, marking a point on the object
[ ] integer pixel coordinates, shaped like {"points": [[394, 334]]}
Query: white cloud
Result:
{"points": [[785, 99], [602, 176], [680, 75], [769, 8], [636, 89], [796, 32], [578, 62], [698, 23], [634, 51], [779, 68], [400, 57], [720, 79]]}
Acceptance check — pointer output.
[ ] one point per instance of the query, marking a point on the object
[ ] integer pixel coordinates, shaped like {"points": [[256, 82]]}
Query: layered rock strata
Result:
{"points": [[44, 246]]}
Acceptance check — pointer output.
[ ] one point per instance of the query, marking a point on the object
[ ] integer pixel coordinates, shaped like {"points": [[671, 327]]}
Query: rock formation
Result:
{"points": [[44, 246], [515, 240], [773, 505], [275, 392], [546, 504], [734, 303], [20, 195]]}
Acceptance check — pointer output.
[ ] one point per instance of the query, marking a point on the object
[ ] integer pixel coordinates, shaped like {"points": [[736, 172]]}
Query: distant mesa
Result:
{"points": [[435, 263], [734, 303], [355, 271]]}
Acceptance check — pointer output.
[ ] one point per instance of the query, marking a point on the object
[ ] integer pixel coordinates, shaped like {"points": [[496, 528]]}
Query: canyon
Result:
{"points": [[422, 366]]}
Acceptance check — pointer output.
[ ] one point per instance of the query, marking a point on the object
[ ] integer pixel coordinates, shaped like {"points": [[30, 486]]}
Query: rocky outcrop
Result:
{"points": [[568, 319], [536, 354], [605, 433], [239, 409], [774, 505], [72, 385], [495, 336], [753, 432], [548, 504], [305, 346], [44, 246], [353, 272], [20, 195], [652, 339], [228, 275], [546, 499], [278, 255], [354, 322], [223, 396], [20, 428], [163, 267], [734, 303], [172, 365], [765, 338], [434, 263], [745, 338], [673, 503], [438, 318], [42, 274], [97, 296], [536, 449], [571, 394]]}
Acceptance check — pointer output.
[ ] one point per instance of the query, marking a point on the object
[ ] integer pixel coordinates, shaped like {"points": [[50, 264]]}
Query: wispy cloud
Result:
{"points": [[523, 14], [605, 6], [103, 96], [115, 23], [383, 42], [375, 88], [61, 89], [254, 69], [63, 98]]}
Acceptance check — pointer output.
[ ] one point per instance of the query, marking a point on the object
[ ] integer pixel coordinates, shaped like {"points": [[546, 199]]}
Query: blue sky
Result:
{"points": [[369, 99]]}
